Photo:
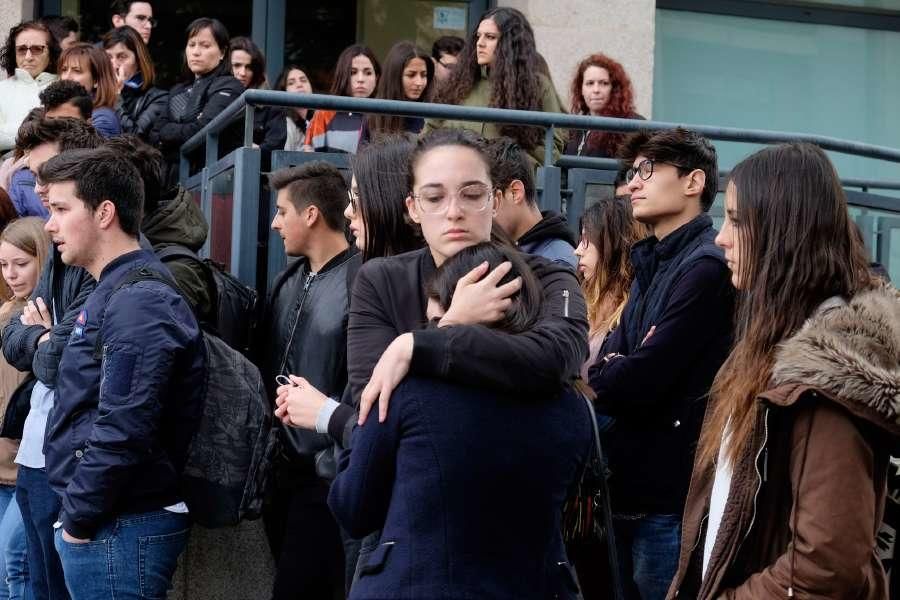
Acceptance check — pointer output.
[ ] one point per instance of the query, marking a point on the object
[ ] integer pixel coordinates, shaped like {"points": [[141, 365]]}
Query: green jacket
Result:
{"points": [[481, 96], [178, 220]]}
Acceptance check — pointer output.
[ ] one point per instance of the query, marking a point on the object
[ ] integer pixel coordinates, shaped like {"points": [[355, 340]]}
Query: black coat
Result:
{"points": [[210, 95], [468, 487], [657, 390], [389, 299], [139, 111]]}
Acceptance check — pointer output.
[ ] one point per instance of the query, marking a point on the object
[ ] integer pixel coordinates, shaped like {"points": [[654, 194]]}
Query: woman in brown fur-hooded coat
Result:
{"points": [[788, 489]]}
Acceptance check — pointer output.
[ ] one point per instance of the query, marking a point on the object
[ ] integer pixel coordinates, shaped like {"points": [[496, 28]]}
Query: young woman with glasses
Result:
{"points": [[466, 483], [29, 58]]}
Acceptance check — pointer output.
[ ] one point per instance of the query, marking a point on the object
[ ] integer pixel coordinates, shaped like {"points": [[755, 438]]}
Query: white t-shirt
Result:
{"points": [[720, 489]]}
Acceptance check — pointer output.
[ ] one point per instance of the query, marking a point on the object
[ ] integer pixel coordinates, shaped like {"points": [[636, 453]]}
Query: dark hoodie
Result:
{"points": [[178, 220], [550, 238]]}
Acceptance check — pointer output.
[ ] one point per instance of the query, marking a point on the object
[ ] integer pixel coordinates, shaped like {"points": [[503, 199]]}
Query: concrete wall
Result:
{"points": [[569, 30], [12, 12]]}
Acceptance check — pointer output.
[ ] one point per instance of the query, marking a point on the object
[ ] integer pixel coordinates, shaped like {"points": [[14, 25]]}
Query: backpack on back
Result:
{"points": [[234, 304], [224, 477]]}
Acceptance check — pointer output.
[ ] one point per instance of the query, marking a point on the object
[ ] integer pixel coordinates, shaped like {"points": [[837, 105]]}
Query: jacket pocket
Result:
{"points": [[118, 371], [372, 563]]}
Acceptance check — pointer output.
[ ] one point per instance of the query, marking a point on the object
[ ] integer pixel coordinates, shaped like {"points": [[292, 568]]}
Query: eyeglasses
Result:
{"points": [[644, 170], [145, 19], [354, 200], [474, 197], [36, 50]]}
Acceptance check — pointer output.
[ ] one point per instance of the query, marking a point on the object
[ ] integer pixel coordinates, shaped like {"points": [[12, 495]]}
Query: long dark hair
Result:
{"points": [[380, 171], [525, 309], [341, 84], [514, 74], [223, 39], [797, 249], [257, 59], [132, 40], [620, 103], [390, 85], [8, 51]]}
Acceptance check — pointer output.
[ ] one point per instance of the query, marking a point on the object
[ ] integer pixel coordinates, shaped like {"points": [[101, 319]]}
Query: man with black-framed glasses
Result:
{"points": [[656, 368], [137, 15]]}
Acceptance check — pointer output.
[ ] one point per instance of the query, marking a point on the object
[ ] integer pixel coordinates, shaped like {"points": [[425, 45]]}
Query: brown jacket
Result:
{"points": [[807, 498], [10, 379]]}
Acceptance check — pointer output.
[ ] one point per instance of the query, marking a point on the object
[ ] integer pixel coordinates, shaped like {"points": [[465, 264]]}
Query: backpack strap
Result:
{"points": [[142, 274], [175, 251]]}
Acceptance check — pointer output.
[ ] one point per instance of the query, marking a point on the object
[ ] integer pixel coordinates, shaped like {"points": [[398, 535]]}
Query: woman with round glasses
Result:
{"points": [[29, 59], [414, 475]]}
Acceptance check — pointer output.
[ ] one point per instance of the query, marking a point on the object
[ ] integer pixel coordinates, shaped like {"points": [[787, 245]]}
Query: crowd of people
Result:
{"points": [[437, 347]]}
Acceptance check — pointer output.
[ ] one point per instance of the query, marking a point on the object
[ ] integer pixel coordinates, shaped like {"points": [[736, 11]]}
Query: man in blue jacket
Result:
{"points": [[129, 392], [657, 366]]}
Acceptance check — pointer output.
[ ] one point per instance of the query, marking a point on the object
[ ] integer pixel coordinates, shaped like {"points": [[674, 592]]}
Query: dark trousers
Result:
{"points": [[648, 547], [40, 509], [305, 541]]}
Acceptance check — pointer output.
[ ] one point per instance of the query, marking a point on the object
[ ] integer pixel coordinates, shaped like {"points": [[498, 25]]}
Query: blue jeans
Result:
{"points": [[40, 509], [132, 557], [648, 548], [13, 549]]}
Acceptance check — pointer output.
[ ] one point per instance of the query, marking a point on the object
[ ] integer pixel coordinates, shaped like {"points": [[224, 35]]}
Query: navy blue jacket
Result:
{"points": [[468, 487], [118, 433], [657, 391]]}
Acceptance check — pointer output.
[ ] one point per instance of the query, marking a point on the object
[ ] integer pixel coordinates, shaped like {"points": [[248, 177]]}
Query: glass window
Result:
{"points": [[766, 74]]}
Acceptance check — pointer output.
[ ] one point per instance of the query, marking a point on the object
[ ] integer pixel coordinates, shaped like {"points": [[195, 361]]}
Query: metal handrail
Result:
{"points": [[550, 120], [611, 164]]}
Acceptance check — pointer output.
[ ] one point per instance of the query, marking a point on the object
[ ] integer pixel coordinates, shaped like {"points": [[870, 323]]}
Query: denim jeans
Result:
{"points": [[40, 509], [13, 549], [132, 557], [648, 548]]}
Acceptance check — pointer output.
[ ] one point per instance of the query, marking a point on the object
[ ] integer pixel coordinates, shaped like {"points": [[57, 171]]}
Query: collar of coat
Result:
{"points": [[850, 352]]}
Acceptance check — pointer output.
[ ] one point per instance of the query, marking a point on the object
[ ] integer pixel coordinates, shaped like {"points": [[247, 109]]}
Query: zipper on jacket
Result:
{"points": [[761, 475], [306, 283], [565, 294]]}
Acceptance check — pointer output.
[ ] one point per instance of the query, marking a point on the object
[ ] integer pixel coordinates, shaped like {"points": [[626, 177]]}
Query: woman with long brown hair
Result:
{"points": [[90, 66], [600, 88], [408, 75], [500, 68], [608, 231], [788, 487]]}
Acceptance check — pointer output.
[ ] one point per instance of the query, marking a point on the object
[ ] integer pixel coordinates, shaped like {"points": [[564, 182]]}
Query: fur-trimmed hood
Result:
{"points": [[850, 351]]}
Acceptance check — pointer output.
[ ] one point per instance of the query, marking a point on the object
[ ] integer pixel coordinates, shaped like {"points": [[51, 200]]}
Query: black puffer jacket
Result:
{"points": [[138, 111], [209, 95]]}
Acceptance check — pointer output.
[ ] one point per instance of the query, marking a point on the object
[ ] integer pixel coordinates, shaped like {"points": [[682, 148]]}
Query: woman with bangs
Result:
{"points": [[88, 65], [788, 487], [139, 104]]}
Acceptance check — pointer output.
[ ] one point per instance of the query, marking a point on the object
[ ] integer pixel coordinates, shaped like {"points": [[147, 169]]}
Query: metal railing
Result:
{"points": [[583, 172]]}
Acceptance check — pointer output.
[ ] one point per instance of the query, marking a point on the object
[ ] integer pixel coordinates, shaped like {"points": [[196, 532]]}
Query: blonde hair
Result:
{"points": [[28, 235]]}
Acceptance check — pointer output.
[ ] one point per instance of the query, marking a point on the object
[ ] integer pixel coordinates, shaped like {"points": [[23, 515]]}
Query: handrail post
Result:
{"points": [[212, 147], [248, 125], [548, 146]]}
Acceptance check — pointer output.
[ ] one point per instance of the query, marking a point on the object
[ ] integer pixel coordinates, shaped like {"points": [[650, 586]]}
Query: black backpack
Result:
{"points": [[234, 304], [224, 477]]}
